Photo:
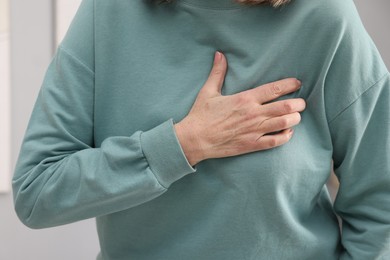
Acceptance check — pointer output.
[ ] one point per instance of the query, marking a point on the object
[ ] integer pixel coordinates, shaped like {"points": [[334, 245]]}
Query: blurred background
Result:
{"points": [[29, 34]]}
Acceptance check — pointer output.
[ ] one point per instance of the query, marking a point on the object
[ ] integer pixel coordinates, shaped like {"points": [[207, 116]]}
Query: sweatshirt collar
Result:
{"points": [[213, 4]]}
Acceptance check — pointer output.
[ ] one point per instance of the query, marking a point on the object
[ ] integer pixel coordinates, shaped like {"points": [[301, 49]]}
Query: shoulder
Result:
{"points": [[328, 13], [79, 39], [353, 62]]}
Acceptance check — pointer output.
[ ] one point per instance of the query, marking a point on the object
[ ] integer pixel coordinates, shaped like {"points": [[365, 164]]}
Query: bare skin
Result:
{"points": [[222, 126]]}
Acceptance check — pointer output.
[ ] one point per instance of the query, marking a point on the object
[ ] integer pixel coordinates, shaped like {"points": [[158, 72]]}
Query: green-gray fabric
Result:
{"points": [[101, 141]]}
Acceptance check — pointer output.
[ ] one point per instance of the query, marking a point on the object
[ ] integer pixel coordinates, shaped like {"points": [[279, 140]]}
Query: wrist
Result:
{"points": [[189, 143]]}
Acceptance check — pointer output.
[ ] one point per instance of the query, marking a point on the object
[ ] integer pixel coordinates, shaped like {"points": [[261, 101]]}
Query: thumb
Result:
{"points": [[216, 77]]}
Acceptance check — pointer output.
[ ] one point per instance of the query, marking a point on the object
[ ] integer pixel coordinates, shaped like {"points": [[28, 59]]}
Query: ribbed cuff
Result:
{"points": [[164, 154]]}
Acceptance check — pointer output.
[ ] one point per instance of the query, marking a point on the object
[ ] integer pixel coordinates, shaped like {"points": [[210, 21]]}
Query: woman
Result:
{"points": [[102, 143]]}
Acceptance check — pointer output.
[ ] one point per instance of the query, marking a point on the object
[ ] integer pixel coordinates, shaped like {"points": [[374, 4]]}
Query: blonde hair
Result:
{"points": [[274, 3]]}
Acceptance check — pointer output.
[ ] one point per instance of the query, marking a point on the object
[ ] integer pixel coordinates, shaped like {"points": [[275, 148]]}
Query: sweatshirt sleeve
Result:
{"points": [[358, 108], [60, 177], [361, 140]]}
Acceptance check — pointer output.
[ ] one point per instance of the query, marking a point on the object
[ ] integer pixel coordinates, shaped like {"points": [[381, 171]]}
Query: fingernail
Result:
{"points": [[217, 57], [291, 132], [299, 82]]}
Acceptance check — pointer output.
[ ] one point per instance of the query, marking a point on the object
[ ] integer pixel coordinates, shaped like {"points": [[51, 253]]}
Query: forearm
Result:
{"points": [[121, 174]]}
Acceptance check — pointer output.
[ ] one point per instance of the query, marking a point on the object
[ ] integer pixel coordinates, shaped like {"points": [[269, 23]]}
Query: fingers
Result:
{"points": [[271, 141], [276, 124], [274, 90], [283, 107], [216, 77]]}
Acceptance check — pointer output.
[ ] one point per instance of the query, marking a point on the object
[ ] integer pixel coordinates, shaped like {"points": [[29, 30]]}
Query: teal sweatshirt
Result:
{"points": [[101, 141]]}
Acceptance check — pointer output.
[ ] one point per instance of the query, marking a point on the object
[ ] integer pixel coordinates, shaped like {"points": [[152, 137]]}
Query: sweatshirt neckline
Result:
{"points": [[213, 4]]}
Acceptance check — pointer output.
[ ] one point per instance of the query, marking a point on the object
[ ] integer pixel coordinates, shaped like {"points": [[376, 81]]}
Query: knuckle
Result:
{"points": [[241, 99], [260, 125], [275, 89], [217, 71], [241, 146], [203, 91], [256, 113], [284, 122], [250, 115], [204, 94], [288, 107], [245, 145], [272, 142], [277, 140]]}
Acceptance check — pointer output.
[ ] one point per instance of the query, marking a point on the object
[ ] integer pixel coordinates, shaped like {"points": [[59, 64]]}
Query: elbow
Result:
{"points": [[25, 212], [25, 206], [34, 203], [28, 219], [37, 208]]}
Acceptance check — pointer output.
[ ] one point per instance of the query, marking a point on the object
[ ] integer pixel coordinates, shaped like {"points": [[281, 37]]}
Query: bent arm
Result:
{"points": [[60, 177]]}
